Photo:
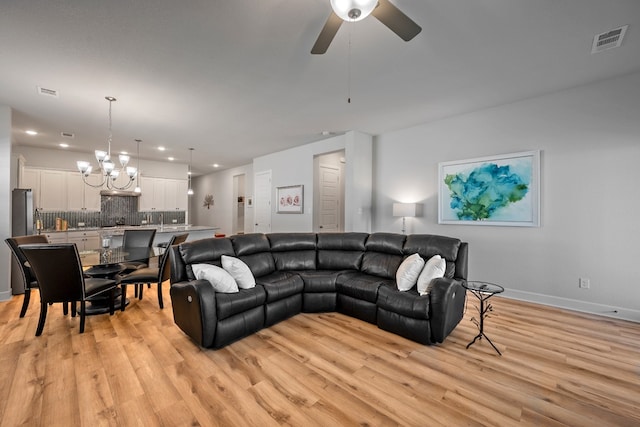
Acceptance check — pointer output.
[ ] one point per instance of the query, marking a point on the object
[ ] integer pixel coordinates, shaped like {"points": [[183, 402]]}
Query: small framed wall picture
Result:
{"points": [[290, 200]]}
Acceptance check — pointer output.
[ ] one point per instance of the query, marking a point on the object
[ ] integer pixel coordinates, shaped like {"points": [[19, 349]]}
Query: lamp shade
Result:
{"points": [[404, 209]]}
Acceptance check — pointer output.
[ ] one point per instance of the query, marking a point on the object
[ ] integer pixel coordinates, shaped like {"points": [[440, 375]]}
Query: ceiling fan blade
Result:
{"points": [[327, 34], [396, 21]]}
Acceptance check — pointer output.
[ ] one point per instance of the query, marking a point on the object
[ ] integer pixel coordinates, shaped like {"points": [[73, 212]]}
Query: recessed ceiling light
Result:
{"points": [[161, 148], [64, 145], [171, 159], [215, 165], [31, 132]]}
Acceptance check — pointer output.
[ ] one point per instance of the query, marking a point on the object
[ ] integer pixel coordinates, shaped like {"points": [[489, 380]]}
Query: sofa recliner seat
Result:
{"points": [[351, 273]]}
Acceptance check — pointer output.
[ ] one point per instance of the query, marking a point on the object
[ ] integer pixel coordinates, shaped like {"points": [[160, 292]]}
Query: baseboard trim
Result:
{"points": [[576, 305], [5, 296]]}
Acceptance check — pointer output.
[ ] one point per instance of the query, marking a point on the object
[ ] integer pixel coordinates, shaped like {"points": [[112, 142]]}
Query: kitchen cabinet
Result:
{"points": [[162, 194], [49, 188], [175, 196], [31, 179], [84, 240], [152, 196], [56, 237], [82, 197]]}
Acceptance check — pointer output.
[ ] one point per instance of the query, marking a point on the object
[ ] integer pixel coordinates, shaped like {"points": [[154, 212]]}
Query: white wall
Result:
{"points": [[295, 166], [5, 194], [220, 185], [590, 142]]}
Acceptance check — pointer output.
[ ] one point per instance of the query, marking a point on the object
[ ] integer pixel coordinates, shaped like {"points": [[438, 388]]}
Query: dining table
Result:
{"points": [[109, 263]]}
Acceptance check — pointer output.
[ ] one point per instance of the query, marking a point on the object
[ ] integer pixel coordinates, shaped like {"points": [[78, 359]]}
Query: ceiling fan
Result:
{"points": [[356, 10]]}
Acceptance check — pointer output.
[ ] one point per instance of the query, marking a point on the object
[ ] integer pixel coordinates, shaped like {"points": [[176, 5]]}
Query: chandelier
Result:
{"points": [[109, 172]]}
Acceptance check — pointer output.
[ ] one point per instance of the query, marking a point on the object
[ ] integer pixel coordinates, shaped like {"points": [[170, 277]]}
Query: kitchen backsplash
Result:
{"points": [[103, 219]]}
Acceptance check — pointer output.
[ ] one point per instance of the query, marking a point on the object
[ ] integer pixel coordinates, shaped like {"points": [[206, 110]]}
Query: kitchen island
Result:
{"points": [[89, 238]]}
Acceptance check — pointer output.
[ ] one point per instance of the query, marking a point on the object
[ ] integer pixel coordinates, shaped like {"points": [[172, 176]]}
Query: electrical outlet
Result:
{"points": [[584, 283]]}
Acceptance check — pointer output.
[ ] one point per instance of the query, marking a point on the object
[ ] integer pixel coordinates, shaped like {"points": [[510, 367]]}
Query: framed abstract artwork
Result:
{"points": [[496, 190], [290, 200]]}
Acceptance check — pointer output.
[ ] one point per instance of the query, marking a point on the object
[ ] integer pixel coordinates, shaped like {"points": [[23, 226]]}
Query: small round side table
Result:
{"points": [[483, 291]]}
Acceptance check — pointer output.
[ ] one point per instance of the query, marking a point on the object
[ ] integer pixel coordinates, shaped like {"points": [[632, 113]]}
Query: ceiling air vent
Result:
{"points": [[47, 92], [608, 40], [67, 135]]}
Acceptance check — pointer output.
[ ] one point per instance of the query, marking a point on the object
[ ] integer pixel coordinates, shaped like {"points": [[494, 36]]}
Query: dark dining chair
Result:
{"points": [[58, 270], [28, 277], [135, 239], [150, 275]]}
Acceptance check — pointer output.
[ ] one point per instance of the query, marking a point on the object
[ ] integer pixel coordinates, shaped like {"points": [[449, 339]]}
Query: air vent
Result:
{"points": [[47, 92], [608, 40], [67, 135]]}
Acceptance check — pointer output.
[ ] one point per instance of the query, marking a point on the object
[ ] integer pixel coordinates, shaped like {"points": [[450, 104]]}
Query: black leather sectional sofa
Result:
{"points": [[351, 273]]}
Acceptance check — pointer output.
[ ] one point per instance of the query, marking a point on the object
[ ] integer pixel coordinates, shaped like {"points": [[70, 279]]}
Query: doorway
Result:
{"points": [[238, 204], [328, 216]]}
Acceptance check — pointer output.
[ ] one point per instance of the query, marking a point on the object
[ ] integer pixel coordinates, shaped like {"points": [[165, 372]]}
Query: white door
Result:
{"points": [[329, 199], [262, 202]]}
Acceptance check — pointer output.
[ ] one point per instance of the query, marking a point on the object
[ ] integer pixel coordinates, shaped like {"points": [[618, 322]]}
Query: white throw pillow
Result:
{"points": [[408, 272], [219, 279], [433, 269], [239, 271]]}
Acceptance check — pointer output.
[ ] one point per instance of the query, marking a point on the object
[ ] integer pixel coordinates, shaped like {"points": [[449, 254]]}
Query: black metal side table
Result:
{"points": [[483, 291]]}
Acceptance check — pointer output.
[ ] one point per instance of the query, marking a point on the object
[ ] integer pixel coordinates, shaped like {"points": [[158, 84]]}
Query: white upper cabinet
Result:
{"points": [[152, 197], [80, 196], [162, 194], [182, 199], [49, 188]]}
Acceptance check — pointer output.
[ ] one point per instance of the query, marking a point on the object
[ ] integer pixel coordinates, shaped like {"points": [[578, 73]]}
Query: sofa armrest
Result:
{"points": [[194, 310], [447, 307]]}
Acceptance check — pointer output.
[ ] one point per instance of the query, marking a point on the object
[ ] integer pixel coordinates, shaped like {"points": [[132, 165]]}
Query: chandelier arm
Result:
{"points": [[112, 185], [84, 179]]}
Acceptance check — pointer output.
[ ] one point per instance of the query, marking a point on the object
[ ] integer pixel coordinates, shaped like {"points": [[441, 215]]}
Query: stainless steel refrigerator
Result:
{"points": [[21, 225]]}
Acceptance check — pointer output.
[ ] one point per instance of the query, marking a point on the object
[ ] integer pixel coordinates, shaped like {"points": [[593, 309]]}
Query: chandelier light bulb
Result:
{"points": [[101, 156], [108, 167], [132, 172], [83, 166], [124, 160]]}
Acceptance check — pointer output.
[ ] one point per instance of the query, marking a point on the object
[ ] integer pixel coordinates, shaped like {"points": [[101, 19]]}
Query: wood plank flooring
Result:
{"points": [[559, 368]]}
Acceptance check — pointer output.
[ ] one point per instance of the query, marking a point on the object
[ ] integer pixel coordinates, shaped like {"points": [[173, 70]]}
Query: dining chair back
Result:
{"points": [[150, 275], [58, 270], [28, 277], [142, 238]]}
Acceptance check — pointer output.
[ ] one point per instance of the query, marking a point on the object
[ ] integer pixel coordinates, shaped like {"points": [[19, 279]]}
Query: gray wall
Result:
{"points": [[589, 139], [5, 195], [220, 185]]}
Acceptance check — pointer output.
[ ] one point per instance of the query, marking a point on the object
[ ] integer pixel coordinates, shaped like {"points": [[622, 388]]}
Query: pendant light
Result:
{"points": [[190, 190], [138, 189]]}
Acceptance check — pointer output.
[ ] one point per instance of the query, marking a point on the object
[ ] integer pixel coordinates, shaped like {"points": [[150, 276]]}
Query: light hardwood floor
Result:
{"points": [[137, 368]]}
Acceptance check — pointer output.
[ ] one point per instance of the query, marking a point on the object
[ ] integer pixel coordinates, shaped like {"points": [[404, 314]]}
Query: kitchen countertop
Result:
{"points": [[119, 230]]}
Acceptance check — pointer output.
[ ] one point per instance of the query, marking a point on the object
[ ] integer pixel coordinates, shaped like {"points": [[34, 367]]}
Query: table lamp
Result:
{"points": [[404, 210]]}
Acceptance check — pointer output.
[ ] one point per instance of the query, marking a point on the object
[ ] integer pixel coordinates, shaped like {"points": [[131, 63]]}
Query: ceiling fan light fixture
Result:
{"points": [[353, 10]]}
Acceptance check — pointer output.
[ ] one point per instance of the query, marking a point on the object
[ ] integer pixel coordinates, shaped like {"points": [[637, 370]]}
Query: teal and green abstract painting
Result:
{"points": [[485, 190], [497, 190]]}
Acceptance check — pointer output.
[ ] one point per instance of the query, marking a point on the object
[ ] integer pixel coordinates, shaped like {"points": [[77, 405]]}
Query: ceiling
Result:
{"points": [[236, 80]]}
